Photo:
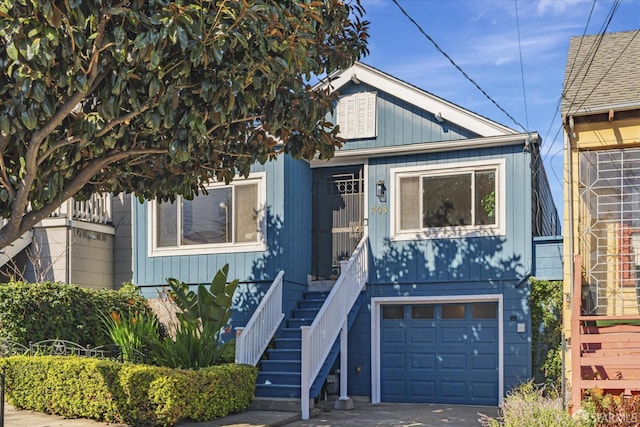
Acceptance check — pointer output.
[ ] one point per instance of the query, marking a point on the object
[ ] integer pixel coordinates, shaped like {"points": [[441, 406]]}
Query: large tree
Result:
{"points": [[158, 97]]}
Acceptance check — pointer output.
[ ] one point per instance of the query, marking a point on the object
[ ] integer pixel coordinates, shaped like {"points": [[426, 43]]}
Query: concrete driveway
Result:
{"points": [[400, 415]]}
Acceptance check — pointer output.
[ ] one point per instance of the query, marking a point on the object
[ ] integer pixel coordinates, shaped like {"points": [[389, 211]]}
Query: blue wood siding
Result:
{"points": [[505, 257], [548, 258], [455, 266], [401, 123]]}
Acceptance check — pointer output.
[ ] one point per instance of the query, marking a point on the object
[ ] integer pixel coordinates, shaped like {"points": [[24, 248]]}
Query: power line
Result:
{"points": [[457, 66], [524, 92], [591, 55]]}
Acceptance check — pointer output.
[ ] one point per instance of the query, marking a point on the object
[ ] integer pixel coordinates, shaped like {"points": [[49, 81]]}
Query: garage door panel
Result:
{"points": [[453, 334], [484, 361], [484, 390], [453, 361], [423, 390], [436, 360], [453, 389], [394, 361], [421, 360], [392, 336], [483, 334], [421, 335]]}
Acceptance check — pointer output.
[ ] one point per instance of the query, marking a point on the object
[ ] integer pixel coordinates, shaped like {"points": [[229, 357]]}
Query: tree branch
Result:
{"points": [[22, 221], [123, 119], [58, 144]]}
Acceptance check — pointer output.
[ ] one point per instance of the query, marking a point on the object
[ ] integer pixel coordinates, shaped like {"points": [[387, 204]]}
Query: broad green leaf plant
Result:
{"points": [[160, 97], [201, 318]]}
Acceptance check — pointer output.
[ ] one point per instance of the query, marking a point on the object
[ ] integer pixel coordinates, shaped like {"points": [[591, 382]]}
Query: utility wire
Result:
{"points": [[457, 66], [524, 92], [591, 55]]}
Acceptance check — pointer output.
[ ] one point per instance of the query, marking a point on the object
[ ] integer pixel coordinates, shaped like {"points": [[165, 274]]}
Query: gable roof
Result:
{"points": [[602, 73], [360, 72]]}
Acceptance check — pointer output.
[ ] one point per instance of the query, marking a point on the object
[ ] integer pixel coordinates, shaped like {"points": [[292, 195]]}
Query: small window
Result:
{"points": [[484, 311], [393, 312], [422, 311], [453, 311]]}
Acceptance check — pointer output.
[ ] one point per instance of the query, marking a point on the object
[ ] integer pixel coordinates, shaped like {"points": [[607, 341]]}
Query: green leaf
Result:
{"points": [[12, 51]]}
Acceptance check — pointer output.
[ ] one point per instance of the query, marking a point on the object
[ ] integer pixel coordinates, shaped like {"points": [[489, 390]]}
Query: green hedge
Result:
{"points": [[134, 394], [43, 311]]}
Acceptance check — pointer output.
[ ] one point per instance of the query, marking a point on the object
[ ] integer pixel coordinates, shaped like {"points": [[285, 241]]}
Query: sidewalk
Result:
{"points": [[364, 414]]}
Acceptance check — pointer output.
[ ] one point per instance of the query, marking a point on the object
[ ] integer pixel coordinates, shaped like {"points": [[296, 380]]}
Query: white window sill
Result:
{"points": [[449, 233], [209, 249]]}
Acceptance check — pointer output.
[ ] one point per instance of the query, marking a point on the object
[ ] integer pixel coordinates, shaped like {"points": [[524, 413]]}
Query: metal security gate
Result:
{"points": [[338, 212]]}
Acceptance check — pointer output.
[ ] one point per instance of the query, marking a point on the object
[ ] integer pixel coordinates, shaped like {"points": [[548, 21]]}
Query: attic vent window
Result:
{"points": [[357, 115]]}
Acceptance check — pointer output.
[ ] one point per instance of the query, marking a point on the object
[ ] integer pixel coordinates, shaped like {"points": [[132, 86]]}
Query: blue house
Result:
{"points": [[402, 262]]}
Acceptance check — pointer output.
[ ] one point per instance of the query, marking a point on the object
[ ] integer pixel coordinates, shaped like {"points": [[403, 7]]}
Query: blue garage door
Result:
{"points": [[439, 353]]}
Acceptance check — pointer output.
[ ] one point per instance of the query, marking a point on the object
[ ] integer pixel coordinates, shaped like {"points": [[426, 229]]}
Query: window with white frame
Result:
{"points": [[465, 198], [227, 216], [356, 115]]}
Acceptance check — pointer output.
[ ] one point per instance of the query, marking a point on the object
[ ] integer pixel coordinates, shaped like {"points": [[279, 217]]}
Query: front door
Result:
{"points": [[338, 212]]}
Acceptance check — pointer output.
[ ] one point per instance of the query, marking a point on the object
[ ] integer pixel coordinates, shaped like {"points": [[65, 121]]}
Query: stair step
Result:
{"points": [[311, 303], [289, 333], [315, 295], [273, 390], [291, 366], [304, 313], [288, 343], [284, 354], [278, 378], [296, 323]]}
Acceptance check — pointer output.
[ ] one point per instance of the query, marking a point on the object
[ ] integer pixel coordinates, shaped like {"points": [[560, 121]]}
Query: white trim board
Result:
{"points": [[377, 302]]}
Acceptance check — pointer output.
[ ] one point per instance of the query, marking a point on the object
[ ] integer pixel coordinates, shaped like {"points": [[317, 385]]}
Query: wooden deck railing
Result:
{"points": [[318, 338], [605, 350], [97, 209], [253, 339]]}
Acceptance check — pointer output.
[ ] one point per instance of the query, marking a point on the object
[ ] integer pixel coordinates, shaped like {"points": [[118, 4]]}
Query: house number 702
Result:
{"points": [[380, 210]]}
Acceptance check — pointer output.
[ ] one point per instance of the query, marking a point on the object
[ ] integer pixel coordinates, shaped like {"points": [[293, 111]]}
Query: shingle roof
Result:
{"points": [[602, 71]]}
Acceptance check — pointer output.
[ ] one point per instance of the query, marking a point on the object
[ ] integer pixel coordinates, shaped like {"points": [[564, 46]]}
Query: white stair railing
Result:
{"points": [[253, 339], [318, 338]]}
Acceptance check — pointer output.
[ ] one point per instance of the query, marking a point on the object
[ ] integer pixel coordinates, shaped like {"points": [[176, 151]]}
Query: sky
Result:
{"points": [[481, 36]]}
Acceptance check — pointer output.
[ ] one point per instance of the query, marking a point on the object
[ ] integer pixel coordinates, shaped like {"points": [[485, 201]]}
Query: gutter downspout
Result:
{"points": [[570, 135]]}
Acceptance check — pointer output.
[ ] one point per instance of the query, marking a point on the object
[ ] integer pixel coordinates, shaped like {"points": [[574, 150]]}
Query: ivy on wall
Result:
{"points": [[545, 301]]}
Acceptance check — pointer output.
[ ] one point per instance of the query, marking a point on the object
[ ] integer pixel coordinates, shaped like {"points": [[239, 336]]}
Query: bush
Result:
{"points": [[610, 410], [134, 394], [529, 406], [41, 311]]}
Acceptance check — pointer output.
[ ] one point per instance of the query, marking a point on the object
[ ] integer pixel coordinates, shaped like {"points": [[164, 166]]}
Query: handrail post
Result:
{"points": [[344, 402], [240, 346], [305, 372], [576, 368]]}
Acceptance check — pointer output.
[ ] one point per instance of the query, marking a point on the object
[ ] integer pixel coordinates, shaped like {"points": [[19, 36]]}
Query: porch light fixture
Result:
{"points": [[381, 191]]}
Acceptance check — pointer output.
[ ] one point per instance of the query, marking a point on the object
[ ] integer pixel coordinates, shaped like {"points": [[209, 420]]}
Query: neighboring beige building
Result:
{"points": [[83, 243], [601, 114]]}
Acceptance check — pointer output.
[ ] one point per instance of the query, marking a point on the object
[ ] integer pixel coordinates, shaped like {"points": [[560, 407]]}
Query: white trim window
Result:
{"points": [[454, 200], [356, 115], [226, 219]]}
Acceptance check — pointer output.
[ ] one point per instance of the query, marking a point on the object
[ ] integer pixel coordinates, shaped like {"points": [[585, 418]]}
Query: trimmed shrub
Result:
{"points": [[134, 394], [41, 311]]}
